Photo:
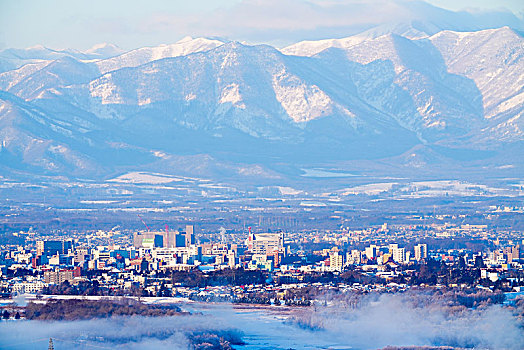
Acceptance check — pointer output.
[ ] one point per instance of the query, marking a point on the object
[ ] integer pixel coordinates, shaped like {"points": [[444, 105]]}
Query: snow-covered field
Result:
{"points": [[324, 173], [145, 178], [439, 188]]}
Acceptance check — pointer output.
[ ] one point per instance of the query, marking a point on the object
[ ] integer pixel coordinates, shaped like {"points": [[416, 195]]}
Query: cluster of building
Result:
{"points": [[58, 260], [401, 232], [54, 261]]}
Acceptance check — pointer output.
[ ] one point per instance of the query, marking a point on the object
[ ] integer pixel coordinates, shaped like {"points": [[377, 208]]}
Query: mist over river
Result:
{"points": [[374, 323]]}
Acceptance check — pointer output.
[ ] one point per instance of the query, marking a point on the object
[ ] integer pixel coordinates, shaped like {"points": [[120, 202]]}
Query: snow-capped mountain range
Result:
{"points": [[369, 96]]}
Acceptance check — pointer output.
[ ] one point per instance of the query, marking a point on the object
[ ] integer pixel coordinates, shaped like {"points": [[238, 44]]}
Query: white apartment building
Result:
{"points": [[421, 251]]}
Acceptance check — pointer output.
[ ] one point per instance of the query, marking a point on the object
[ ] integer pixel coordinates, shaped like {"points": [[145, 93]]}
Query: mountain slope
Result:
{"points": [[494, 60], [365, 97], [42, 142], [253, 89], [15, 58], [449, 77], [30, 138], [143, 55]]}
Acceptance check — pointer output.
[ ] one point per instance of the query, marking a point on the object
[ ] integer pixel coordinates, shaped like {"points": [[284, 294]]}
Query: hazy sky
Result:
{"points": [[129, 24]]}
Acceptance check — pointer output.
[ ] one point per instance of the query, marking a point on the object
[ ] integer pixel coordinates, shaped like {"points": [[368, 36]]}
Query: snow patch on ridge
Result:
{"points": [[311, 48], [300, 101], [145, 178], [230, 94], [105, 89]]}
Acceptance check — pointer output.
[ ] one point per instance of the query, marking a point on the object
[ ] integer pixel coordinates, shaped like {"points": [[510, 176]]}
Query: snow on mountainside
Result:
{"points": [[63, 141], [37, 52], [494, 60], [12, 77], [363, 97], [313, 47], [408, 79], [310, 48], [143, 55], [29, 138], [448, 77], [16, 58], [417, 20], [62, 72], [104, 50], [249, 88], [82, 67]]}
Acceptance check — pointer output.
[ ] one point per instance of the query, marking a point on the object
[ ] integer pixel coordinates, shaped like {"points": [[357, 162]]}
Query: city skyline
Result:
{"points": [[284, 174]]}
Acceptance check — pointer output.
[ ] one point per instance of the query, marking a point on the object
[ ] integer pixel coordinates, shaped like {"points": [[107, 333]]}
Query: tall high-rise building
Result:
{"points": [[231, 259], [392, 246], [80, 255], [421, 251], [354, 257], [190, 238], [53, 247], [165, 239], [515, 252], [371, 251], [336, 261], [149, 239], [512, 253], [266, 243], [58, 276], [399, 255]]}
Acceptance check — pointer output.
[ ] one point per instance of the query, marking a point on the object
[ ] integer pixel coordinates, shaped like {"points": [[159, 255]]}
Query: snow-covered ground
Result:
{"points": [[440, 188], [145, 178]]}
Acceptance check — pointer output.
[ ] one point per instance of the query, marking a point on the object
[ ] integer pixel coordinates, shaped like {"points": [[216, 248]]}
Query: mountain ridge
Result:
{"points": [[353, 98]]}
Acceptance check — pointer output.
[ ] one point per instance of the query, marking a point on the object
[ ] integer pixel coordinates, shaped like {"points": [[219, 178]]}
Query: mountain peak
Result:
{"points": [[185, 39], [104, 50], [37, 47], [189, 39], [103, 46], [312, 47], [369, 96], [137, 57], [480, 33]]}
